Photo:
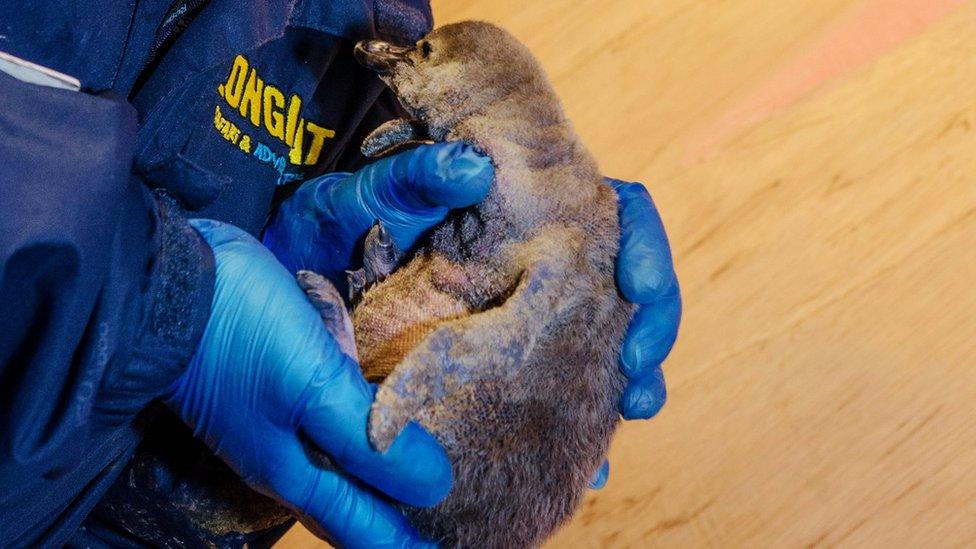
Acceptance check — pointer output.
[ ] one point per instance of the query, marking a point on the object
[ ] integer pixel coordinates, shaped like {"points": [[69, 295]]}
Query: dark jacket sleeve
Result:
{"points": [[104, 292]]}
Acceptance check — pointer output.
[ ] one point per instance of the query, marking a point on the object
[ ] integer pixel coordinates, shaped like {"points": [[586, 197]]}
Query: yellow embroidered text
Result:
{"points": [[265, 106]]}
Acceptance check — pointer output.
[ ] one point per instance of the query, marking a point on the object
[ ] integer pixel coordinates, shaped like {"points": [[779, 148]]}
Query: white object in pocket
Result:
{"points": [[32, 73]]}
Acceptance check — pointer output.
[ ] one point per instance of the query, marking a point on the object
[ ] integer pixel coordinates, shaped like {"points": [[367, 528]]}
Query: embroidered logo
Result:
{"points": [[265, 107]]}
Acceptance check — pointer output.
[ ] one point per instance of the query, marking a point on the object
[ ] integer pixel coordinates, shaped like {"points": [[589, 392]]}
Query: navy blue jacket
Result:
{"points": [[188, 108]]}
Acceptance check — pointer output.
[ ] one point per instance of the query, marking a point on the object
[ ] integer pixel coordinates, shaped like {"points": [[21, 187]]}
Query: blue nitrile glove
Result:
{"points": [[322, 226], [645, 276], [267, 375]]}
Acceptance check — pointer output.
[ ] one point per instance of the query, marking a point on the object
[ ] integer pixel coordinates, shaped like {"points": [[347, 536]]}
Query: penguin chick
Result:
{"points": [[500, 334]]}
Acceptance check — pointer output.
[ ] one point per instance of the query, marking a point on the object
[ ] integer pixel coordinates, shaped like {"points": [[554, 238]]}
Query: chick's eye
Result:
{"points": [[425, 48]]}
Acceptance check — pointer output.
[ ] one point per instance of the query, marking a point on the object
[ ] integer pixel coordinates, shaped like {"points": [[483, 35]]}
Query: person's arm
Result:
{"points": [[104, 293], [109, 300]]}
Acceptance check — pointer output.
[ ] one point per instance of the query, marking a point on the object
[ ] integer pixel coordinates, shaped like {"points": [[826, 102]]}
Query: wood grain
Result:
{"points": [[823, 388]]}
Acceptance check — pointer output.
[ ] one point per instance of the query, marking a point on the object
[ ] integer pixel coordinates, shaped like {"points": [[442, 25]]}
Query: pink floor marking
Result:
{"points": [[876, 27]]}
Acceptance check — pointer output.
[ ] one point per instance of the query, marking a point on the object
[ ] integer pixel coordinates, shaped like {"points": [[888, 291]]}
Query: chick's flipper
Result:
{"points": [[327, 301], [393, 136]]}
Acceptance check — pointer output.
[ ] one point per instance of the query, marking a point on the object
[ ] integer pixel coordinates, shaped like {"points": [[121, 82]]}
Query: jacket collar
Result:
{"points": [[394, 20]]}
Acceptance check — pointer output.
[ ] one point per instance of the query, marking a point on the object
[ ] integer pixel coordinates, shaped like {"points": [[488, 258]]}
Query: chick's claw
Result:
{"points": [[380, 254]]}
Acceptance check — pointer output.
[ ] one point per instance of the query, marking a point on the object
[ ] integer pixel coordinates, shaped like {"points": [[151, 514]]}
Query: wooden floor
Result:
{"points": [[815, 165]]}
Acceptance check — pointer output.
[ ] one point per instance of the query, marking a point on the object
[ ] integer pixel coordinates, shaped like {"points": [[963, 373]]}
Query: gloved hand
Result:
{"points": [[267, 378], [645, 276], [322, 226]]}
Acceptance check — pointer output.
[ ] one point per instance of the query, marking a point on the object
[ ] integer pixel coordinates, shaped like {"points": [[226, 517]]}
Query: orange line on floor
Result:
{"points": [[875, 28]]}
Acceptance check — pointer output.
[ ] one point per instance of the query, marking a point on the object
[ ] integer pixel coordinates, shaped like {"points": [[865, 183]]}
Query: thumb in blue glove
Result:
{"points": [[267, 376], [322, 226]]}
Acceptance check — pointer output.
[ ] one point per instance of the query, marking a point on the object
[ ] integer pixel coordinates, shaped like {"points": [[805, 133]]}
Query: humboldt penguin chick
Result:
{"points": [[500, 333]]}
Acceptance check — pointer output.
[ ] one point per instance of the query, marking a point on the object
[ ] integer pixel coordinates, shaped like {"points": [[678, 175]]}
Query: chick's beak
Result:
{"points": [[380, 56]]}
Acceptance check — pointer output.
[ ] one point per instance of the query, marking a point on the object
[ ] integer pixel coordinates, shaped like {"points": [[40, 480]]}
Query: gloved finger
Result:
{"points": [[217, 234], [650, 336], [643, 398], [412, 191], [600, 477], [645, 271], [335, 507], [333, 412]]}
